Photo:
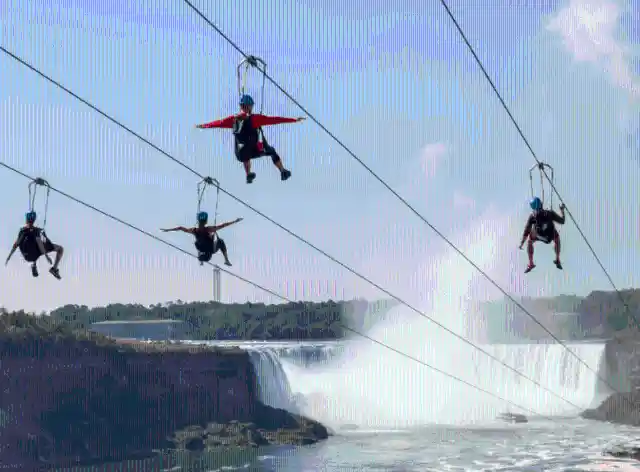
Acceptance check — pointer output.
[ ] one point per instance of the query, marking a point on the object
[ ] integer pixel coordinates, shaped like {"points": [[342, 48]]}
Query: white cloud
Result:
{"points": [[430, 157], [589, 31], [462, 201]]}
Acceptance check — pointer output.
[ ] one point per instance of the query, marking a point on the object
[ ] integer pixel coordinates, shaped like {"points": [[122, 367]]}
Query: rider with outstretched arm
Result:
{"points": [[206, 242], [247, 132]]}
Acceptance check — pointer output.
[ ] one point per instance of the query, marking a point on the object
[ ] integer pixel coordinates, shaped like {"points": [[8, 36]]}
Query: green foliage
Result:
{"points": [[21, 326], [212, 320], [614, 311], [599, 314]]}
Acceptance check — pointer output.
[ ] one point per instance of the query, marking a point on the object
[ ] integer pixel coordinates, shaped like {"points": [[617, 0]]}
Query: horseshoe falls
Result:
{"points": [[358, 383], [336, 384]]}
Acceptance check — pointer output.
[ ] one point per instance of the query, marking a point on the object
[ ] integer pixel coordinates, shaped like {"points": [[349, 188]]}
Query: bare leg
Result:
{"points": [[531, 266], [59, 250], [226, 257], [556, 244], [223, 249], [530, 250], [54, 268]]}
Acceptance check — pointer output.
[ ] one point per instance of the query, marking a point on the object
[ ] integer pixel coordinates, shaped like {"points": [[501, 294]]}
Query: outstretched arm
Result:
{"points": [[223, 123], [527, 230], [213, 229], [262, 120], [15, 246], [177, 228]]}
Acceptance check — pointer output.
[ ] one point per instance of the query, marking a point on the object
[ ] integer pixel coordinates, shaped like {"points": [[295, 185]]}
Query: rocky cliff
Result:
{"points": [[621, 369], [620, 408], [65, 401]]}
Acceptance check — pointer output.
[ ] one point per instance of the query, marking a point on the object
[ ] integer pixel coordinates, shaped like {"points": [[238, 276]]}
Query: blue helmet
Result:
{"points": [[203, 217], [246, 100], [30, 216], [536, 204]]}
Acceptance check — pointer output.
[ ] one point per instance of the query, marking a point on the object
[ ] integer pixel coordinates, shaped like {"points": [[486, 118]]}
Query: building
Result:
{"points": [[155, 330]]}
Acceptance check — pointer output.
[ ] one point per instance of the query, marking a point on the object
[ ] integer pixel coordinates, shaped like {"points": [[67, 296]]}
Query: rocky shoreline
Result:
{"points": [[620, 408], [67, 402]]}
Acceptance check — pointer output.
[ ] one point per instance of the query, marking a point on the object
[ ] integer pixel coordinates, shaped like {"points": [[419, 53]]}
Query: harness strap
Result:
{"points": [[253, 61], [541, 168], [33, 189], [202, 187]]}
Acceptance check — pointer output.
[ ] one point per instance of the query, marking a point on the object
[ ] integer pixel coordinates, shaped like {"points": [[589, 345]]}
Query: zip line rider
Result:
{"points": [[540, 227], [249, 144], [34, 243], [207, 243]]}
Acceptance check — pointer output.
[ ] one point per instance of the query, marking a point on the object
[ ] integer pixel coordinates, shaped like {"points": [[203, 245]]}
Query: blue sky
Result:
{"points": [[398, 86]]}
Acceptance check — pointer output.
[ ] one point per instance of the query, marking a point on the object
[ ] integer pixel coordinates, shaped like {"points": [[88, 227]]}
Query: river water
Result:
{"points": [[565, 445]]}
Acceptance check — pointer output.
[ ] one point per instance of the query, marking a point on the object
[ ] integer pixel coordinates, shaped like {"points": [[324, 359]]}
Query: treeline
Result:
{"points": [[25, 334], [615, 312], [248, 321], [599, 314]]}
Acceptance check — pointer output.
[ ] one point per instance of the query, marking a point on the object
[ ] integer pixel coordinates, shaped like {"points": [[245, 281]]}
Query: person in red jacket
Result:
{"points": [[248, 137]]}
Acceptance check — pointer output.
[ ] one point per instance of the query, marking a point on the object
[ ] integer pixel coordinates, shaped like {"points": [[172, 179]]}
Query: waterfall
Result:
{"points": [[551, 365], [287, 375], [275, 363]]}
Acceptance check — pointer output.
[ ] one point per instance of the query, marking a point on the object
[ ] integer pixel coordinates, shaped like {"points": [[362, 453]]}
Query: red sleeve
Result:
{"points": [[223, 123], [262, 120]]}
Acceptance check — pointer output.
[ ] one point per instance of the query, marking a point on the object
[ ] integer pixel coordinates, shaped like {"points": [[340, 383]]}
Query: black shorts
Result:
{"points": [[246, 153], [546, 236], [206, 250], [32, 253]]}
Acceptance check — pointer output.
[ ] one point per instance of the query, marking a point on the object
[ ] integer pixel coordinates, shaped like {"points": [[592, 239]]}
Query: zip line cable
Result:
{"points": [[388, 187], [271, 292], [526, 142], [309, 244], [135, 228]]}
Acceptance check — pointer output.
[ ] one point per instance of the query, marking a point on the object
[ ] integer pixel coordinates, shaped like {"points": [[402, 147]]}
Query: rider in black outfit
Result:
{"points": [[33, 243], [540, 227], [207, 243]]}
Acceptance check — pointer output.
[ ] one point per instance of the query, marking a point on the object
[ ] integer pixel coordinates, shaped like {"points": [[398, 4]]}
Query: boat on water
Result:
{"points": [[513, 417]]}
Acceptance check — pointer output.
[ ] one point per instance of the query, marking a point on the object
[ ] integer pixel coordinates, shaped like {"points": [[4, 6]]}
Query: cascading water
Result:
{"points": [[552, 366], [362, 384], [275, 364], [273, 385], [370, 386]]}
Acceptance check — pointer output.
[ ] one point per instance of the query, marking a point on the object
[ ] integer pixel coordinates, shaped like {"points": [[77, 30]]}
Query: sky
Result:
{"points": [[397, 85]]}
